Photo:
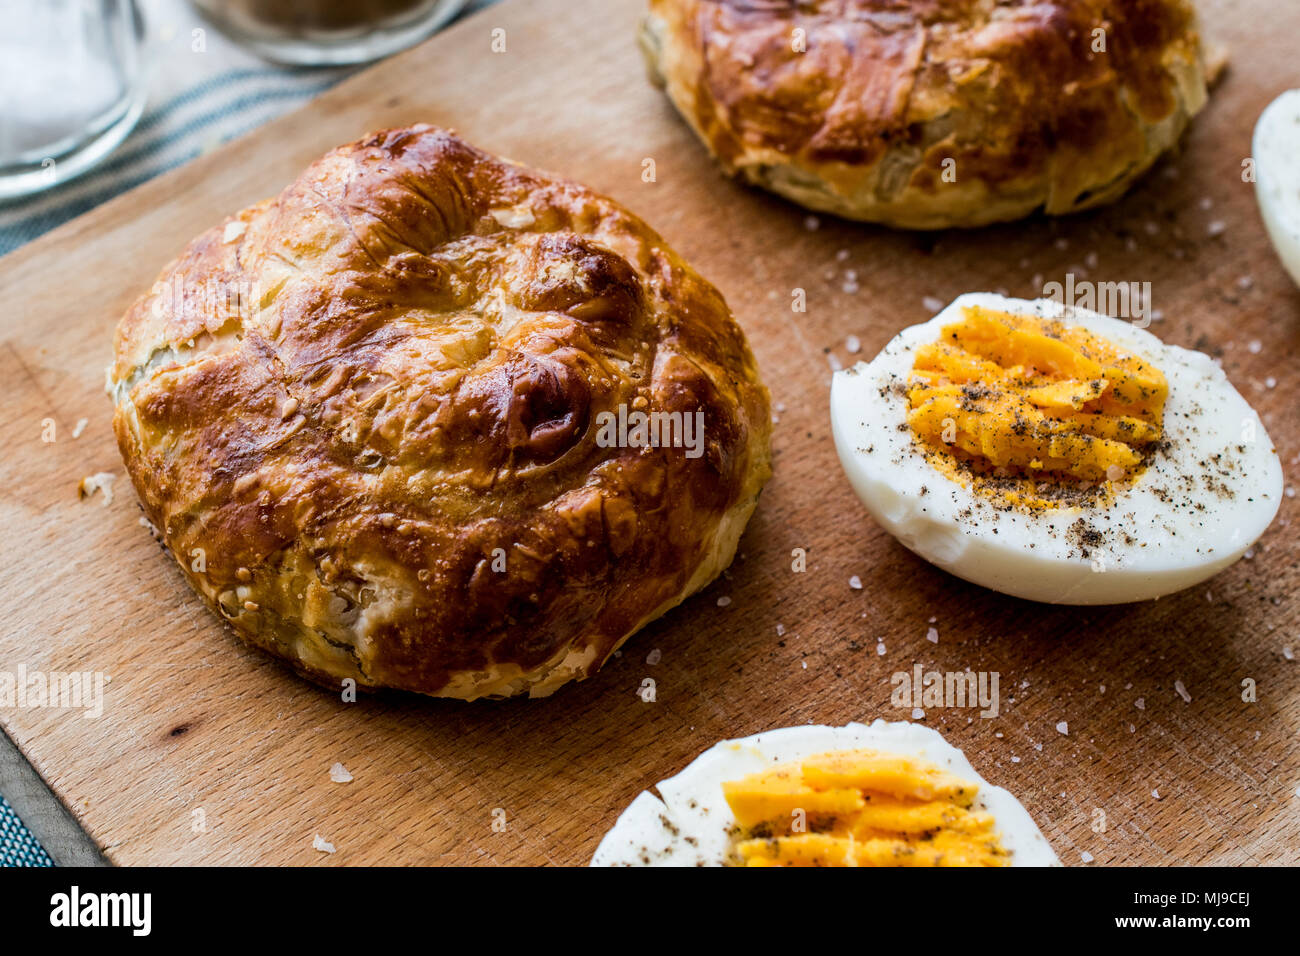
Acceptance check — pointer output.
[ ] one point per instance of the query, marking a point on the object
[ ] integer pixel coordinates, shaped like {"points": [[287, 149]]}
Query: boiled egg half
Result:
{"points": [[1276, 147], [888, 794], [1054, 453]]}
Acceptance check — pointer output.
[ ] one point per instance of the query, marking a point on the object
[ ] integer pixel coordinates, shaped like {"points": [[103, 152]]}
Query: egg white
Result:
{"points": [[1177, 524], [1275, 147], [688, 823]]}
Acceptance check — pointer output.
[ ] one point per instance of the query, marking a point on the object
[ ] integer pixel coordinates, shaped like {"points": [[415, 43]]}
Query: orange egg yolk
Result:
{"points": [[1033, 411], [859, 808]]}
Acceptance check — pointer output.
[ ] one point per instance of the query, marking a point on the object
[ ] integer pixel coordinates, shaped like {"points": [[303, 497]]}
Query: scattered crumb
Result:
{"points": [[1086, 857], [933, 304], [80, 427], [100, 481], [855, 582], [1182, 691], [318, 842], [932, 635], [853, 345], [918, 713], [724, 601], [812, 223], [780, 630], [1063, 728], [1140, 703], [339, 774]]}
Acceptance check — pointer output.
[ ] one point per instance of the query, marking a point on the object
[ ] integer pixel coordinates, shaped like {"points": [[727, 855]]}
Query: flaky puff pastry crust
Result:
{"points": [[363, 416], [927, 114]]}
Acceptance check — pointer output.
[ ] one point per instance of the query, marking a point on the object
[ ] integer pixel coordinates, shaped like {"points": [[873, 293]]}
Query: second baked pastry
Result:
{"points": [[926, 114]]}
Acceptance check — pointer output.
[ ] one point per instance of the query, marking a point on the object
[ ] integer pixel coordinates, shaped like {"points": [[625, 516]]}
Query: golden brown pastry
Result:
{"points": [[926, 114], [372, 420]]}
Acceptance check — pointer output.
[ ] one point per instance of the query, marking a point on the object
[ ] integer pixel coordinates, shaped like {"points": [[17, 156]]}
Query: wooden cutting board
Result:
{"points": [[196, 728]]}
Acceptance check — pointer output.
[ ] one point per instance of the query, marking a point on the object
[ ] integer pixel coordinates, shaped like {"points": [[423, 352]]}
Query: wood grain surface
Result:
{"points": [[195, 722]]}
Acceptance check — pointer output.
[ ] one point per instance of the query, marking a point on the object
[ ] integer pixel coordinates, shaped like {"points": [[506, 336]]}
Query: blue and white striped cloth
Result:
{"points": [[211, 111], [204, 91]]}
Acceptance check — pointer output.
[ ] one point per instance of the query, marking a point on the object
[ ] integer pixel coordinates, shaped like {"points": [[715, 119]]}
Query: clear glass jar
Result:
{"points": [[73, 82], [327, 32]]}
